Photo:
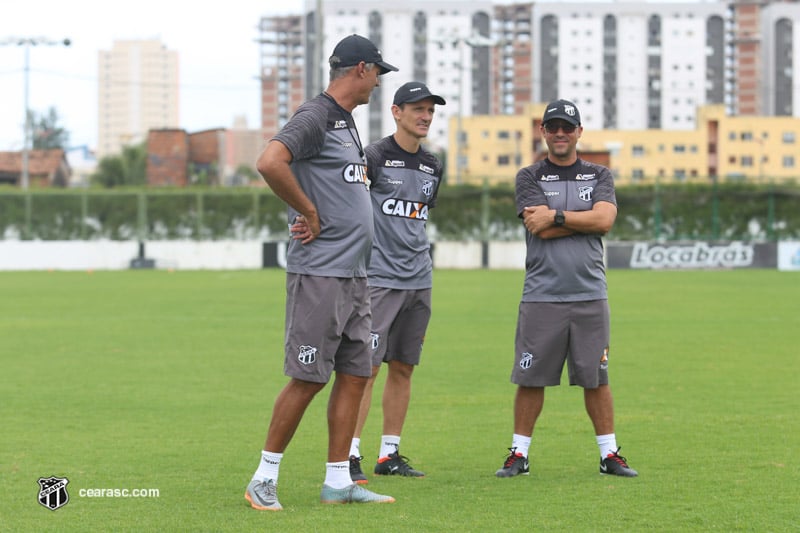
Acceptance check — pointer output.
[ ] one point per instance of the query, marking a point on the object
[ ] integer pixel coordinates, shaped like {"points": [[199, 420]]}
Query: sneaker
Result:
{"points": [[616, 465], [396, 465], [355, 471], [263, 495], [352, 494], [515, 465]]}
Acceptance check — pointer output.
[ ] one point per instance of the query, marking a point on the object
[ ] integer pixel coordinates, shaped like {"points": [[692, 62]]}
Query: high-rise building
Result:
{"points": [[628, 65], [443, 43], [137, 91]]}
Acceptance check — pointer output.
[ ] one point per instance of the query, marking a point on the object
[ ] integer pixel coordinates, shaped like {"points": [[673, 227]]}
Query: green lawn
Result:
{"points": [[153, 379]]}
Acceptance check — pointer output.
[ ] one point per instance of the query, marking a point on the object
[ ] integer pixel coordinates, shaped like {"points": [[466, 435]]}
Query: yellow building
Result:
{"points": [[721, 147]]}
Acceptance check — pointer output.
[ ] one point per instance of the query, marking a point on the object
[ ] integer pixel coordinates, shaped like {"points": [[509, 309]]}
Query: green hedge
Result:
{"points": [[730, 211]]}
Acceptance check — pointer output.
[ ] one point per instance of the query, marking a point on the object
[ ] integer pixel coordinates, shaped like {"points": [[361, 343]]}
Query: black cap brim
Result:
{"points": [[386, 67]]}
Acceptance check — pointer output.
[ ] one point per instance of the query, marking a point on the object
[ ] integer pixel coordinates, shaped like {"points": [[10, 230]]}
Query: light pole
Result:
{"points": [[463, 43], [27, 42]]}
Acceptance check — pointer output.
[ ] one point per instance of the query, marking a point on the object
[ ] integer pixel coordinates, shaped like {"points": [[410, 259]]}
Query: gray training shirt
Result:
{"points": [[567, 269], [404, 188], [324, 143]]}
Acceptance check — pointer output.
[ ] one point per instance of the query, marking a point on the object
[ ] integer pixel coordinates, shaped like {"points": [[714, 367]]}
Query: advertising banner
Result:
{"points": [[690, 255]]}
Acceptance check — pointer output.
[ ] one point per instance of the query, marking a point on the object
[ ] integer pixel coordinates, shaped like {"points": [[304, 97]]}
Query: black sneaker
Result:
{"points": [[515, 465], [355, 471], [396, 465], [615, 465]]}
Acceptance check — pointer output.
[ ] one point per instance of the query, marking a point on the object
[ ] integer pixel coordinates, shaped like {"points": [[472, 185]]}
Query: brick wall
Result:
{"points": [[167, 157]]}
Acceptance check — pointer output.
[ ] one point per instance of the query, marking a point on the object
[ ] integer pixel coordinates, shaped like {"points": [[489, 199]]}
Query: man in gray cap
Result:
{"points": [[567, 205], [316, 164], [405, 180]]}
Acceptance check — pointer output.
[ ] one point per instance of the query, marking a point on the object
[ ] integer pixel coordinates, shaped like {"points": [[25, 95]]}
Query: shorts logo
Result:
{"points": [[526, 360], [604, 359], [307, 355], [53, 492], [585, 193], [374, 340]]}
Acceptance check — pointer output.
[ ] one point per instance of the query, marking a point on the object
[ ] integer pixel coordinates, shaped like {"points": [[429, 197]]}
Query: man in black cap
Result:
{"points": [[567, 205], [317, 165], [405, 180]]}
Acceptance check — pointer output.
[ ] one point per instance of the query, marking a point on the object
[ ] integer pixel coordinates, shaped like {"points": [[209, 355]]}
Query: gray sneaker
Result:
{"points": [[352, 494], [263, 495]]}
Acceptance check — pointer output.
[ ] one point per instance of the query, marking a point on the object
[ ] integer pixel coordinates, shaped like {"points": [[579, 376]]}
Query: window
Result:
{"points": [[637, 150], [637, 174], [503, 134], [679, 148], [788, 161], [503, 160], [747, 161], [747, 136], [788, 137], [732, 136]]}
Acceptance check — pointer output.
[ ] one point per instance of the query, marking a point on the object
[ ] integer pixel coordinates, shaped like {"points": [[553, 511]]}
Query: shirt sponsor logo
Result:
{"points": [[551, 193], [426, 169], [390, 181], [585, 177], [395, 207], [357, 174], [585, 193], [394, 163], [340, 124], [697, 255], [550, 177]]}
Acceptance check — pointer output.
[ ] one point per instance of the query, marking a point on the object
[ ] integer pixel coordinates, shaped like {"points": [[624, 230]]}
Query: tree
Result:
{"points": [[128, 168], [46, 132]]}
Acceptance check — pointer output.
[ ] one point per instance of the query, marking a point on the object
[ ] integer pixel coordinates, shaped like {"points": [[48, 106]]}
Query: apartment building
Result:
{"points": [[137, 89]]}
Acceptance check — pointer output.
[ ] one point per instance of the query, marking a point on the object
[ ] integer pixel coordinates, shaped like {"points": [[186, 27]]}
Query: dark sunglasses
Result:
{"points": [[553, 128]]}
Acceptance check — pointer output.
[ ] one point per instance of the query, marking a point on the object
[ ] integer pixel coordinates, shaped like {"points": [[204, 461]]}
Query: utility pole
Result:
{"points": [[27, 42]]}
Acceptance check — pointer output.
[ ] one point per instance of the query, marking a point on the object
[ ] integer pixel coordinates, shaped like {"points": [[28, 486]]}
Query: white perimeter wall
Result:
{"points": [[212, 255]]}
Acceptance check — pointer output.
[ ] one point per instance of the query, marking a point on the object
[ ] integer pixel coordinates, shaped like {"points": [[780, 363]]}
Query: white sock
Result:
{"points": [[521, 443], [337, 475], [355, 446], [268, 466], [607, 444], [389, 444]]}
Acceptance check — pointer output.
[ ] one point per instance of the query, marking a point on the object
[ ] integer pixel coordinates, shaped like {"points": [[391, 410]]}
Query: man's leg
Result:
{"points": [[290, 405], [343, 406], [600, 407], [528, 404], [366, 401], [396, 397]]}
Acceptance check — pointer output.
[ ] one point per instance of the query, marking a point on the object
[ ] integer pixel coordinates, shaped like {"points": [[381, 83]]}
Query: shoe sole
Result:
{"points": [[257, 507], [361, 482], [335, 502], [515, 475]]}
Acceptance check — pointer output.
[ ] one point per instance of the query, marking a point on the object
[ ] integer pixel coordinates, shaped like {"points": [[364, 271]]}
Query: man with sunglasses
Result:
{"points": [[567, 205]]}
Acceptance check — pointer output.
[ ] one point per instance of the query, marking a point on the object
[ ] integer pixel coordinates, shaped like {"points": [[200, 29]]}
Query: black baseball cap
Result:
{"points": [[564, 110], [354, 49], [414, 91]]}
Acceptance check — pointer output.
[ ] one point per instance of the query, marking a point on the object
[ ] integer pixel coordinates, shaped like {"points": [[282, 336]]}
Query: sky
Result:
{"points": [[217, 54]]}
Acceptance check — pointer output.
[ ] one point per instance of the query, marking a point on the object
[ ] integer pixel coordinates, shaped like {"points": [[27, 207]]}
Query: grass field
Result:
{"points": [[152, 379]]}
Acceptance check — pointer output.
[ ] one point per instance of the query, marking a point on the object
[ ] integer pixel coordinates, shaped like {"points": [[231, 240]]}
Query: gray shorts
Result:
{"points": [[550, 333], [327, 327], [399, 321]]}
